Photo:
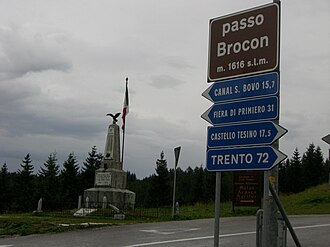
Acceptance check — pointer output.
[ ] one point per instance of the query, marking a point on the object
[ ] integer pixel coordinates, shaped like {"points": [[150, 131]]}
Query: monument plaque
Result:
{"points": [[103, 179]]}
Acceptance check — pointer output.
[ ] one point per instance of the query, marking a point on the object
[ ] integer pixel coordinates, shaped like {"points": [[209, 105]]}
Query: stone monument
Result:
{"points": [[110, 180]]}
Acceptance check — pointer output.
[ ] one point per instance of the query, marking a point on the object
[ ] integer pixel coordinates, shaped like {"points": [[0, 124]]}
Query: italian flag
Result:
{"points": [[125, 106]]}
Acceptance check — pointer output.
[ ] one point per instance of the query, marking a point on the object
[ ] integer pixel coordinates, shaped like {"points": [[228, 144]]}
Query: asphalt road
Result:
{"points": [[239, 231]]}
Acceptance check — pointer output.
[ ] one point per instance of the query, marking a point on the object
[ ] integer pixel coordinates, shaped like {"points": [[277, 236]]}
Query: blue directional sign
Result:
{"points": [[251, 134], [243, 159], [243, 111], [243, 88]]}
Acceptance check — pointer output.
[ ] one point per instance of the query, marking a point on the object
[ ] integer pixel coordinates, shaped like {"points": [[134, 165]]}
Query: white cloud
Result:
{"points": [[24, 51]]}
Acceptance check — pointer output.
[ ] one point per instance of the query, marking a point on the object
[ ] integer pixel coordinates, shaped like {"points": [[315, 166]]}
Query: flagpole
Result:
{"points": [[122, 149], [124, 128]]}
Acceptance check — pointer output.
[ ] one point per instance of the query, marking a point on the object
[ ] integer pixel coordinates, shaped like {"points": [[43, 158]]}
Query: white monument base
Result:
{"points": [[121, 198]]}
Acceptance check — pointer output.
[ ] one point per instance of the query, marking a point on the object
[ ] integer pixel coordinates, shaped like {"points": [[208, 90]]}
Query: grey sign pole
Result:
{"points": [[269, 233], [217, 209], [327, 140], [176, 156]]}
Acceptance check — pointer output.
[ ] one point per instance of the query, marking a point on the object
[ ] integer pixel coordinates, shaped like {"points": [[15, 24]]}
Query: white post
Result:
{"points": [[39, 208], [104, 204]]}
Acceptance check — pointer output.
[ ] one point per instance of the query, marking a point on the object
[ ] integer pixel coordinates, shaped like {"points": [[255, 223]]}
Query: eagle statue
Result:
{"points": [[114, 117]]}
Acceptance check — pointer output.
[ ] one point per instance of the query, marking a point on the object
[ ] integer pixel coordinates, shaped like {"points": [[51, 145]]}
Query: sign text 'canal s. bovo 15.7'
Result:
{"points": [[243, 88], [243, 159]]}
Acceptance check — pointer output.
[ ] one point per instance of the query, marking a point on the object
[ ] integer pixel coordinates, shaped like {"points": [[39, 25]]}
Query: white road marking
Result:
{"points": [[6, 245], [170, 231], [208, 237], [188, 239], [313, 226]]}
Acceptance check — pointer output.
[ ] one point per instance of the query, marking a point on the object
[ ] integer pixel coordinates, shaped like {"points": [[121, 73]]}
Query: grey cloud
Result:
{"points": [[22, 53], [176, 62], [57, 122], [13, 92], [165, 81]]}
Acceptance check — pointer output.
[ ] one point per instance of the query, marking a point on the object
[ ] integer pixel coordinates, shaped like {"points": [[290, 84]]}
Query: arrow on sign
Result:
{"points": [[243, 159], [260, 133], [243, 111], [243, 88], [326, 139]]}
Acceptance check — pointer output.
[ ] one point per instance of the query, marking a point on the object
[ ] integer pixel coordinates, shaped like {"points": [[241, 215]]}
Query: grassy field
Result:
{"points": [[313, 201]]}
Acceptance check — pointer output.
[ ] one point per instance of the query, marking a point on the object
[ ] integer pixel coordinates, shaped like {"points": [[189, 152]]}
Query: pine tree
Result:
{"points": [[313, 166], [198, 185], [69, 180], [144, 192], [5, 195], [25, 186], [319, 160], [326, 177], [50, 182], [226, 186], [282, 175], [209, 185], [294, 173], [184, 186], [162, 191], [91, 164]]}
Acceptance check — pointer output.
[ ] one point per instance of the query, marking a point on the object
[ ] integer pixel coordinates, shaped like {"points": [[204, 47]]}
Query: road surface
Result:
{"points": [[239, 231]]}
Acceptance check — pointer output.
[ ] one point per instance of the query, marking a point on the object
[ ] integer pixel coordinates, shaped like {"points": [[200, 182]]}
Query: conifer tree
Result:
{"points": [[282, 175], [326, 177], [198, 184], [313, 166], [188, 188], [91, 164], [294, 173], [209, 185], [5, 195], [25, 186], [50, 181], [162, 191], [69, 180]]}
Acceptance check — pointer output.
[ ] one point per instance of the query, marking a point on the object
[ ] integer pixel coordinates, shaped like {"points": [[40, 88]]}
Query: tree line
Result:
{"points": [[198, 185], [21, 190]]}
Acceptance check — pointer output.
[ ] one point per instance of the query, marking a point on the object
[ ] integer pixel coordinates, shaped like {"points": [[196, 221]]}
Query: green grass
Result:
{"points": [[206, 210], [26, 224], [315, 200], [312, 201]]}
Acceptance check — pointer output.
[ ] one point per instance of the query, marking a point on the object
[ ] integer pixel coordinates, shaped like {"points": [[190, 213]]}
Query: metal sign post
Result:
{"points": [[217, 208], [176, 156], [327, 140], [269, 236]]}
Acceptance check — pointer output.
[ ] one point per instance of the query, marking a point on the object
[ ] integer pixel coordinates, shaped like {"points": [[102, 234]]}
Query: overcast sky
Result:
{"points": [[63, 66]]}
